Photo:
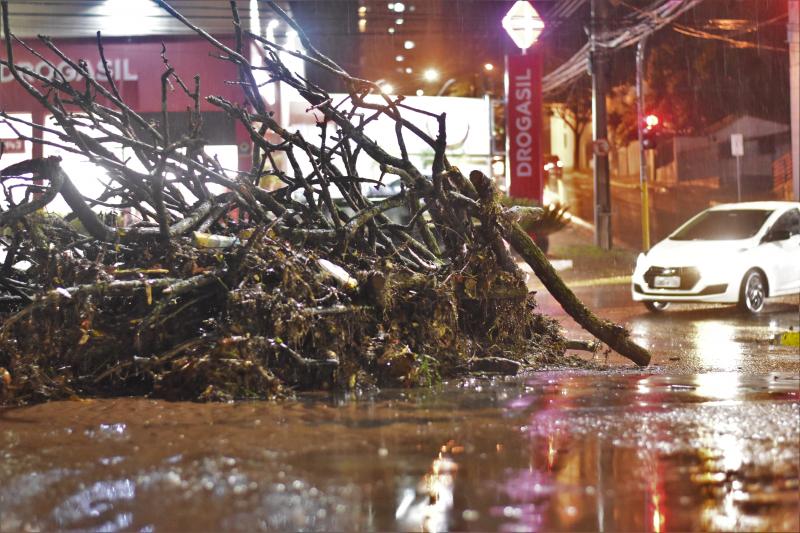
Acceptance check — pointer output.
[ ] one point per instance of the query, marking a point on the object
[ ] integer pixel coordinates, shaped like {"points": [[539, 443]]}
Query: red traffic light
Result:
{"points": [[650, 131]]}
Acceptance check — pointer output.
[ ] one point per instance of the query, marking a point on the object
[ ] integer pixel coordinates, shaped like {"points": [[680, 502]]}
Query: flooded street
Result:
{"points": [[551, 451], [689, 338]]}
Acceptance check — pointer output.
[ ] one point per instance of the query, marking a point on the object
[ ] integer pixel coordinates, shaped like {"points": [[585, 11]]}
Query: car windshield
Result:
{"points": [[723, 225]]}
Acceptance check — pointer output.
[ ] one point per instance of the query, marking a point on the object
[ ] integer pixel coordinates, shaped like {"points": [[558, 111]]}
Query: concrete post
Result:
{"points": [[794, 91], [639, 129], [602, 186]]}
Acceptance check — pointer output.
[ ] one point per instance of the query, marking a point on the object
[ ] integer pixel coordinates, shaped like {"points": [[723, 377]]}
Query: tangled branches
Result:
{"points": [[261, 303]]}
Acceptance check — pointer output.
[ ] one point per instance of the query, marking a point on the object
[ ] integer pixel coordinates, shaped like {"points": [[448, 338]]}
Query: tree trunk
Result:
{"points": [[612, 334], [576, 148]]}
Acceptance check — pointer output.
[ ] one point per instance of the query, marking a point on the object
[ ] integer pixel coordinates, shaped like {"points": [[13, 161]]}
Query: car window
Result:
{"points": [[789, 221], [723, 225]]}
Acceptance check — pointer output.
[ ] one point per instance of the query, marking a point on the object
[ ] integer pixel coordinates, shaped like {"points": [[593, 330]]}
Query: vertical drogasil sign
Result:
{"points": [[524, 125]]}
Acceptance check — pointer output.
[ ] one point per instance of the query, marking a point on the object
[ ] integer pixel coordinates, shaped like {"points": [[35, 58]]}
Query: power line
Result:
{"points": [[736, 43], [643, 23]]}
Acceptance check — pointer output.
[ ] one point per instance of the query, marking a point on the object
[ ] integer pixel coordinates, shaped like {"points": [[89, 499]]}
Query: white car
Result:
{"points": [[731, 253]]}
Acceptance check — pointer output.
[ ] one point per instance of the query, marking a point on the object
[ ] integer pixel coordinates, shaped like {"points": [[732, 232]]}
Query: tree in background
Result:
{"points": [[621, 108], [576, 112], [693, 82], [682, 85]]}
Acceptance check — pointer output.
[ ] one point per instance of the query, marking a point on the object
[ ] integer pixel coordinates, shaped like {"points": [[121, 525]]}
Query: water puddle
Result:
{"points": [[552, 451]]}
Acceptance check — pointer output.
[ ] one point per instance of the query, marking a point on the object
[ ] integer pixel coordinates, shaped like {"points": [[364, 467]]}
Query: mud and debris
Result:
{"points": [[256, 319]]}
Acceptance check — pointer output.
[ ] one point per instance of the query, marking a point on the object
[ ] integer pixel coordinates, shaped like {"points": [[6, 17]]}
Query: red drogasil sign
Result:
{"points": [[524, 125], [135, 66]]}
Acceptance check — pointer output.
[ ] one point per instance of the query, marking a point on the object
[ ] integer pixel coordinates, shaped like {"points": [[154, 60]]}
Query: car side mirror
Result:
{"points": [[777, 235]]}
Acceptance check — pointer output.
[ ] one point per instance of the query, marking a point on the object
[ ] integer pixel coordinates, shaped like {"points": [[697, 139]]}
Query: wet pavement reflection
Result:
{"points": [[692, 338], [551, 451]]}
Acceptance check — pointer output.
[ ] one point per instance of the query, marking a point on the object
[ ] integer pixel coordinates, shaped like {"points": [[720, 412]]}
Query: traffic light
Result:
{"points": [[650, 130]]}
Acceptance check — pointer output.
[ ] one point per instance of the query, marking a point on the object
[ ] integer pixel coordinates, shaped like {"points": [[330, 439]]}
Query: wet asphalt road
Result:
{"points": [[689, 338], [550, 451]]}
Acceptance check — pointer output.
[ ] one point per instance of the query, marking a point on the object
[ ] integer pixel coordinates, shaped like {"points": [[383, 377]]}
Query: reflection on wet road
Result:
{"points": [[691, 338], [552, 451]]}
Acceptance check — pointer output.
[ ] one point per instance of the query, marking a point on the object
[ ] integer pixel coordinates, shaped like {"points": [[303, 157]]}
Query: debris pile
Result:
{"points": [[257, 319], [212, 284]]}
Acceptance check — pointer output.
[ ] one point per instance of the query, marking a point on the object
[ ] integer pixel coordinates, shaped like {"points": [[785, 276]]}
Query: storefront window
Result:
{"points": [[14, 151]]}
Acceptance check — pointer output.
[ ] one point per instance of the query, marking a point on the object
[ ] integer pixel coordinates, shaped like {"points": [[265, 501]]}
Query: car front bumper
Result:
{"points": [[706, 286], [712, 294]]}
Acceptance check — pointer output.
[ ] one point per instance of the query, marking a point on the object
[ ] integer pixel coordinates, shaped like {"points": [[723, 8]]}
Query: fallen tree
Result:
{"points": [[302, 289]]}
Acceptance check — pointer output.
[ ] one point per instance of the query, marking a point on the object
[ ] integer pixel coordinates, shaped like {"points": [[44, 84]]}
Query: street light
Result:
{"points": [[523, 24], [446, 85], [430, 74]]}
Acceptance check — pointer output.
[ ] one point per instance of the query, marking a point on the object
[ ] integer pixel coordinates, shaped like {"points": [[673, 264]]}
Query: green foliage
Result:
{"points": [[427, 372]]}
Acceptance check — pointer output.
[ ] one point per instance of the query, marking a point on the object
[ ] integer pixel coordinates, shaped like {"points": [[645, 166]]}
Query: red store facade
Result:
{"points": [[136, 67]]}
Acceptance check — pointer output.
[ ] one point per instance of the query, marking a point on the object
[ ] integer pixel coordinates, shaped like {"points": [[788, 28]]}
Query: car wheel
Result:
{"points": [[656, 307], [753, 292]]}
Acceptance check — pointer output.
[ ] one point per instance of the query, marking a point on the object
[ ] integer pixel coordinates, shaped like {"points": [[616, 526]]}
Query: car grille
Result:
{"points": [[708, 291], [689, 276]]}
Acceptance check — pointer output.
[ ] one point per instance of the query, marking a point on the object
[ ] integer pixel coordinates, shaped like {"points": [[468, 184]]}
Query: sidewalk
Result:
{"points": [[579, 262]]}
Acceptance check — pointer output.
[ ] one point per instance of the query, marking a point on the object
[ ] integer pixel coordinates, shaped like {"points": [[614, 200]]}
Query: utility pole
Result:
{"points": [[599, 69], [794, 92], [642, 155]]}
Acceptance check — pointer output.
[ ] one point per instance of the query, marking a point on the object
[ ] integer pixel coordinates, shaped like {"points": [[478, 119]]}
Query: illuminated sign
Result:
{"points": [[524, 125], [135, 67], [119, 68]]}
